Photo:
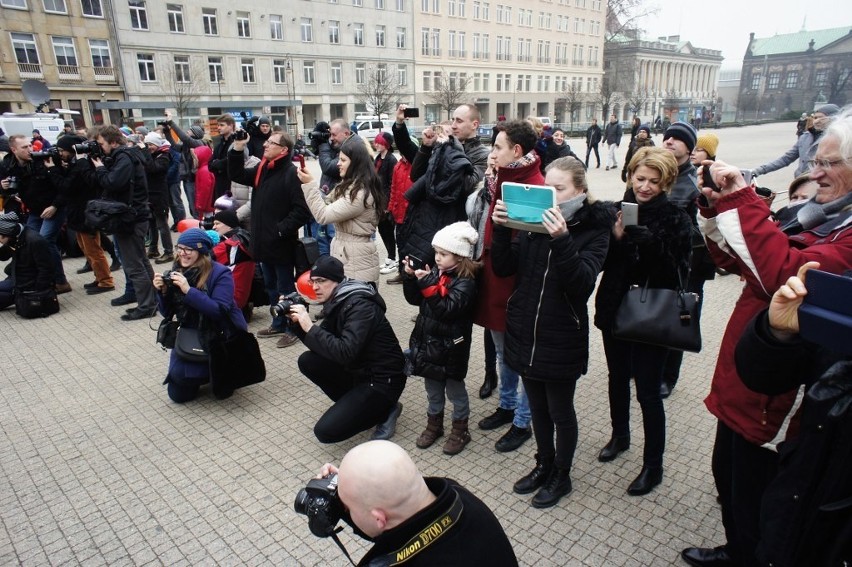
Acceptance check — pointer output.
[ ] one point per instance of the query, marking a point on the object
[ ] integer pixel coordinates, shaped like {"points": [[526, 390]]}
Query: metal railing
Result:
{"points": [[30, 70]]}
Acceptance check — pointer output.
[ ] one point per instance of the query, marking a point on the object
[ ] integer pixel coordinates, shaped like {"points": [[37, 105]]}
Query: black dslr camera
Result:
{"points": [[241, 135], [91, 147], [320, 503], [320, 135], [167, 278], [51, 152], [283, 307]]}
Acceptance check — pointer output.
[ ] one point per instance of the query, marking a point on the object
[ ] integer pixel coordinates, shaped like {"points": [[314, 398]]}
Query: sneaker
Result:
{"points": [[386, 429], [287, 340], [388, 269], [497, 419], [122, 300], [514, 438], [166, 258], [269, 333], [396, 280]]}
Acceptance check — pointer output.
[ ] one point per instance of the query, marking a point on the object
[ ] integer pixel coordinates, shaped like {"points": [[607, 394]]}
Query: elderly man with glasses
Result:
{"points": [[278, 210], [745, 241]]}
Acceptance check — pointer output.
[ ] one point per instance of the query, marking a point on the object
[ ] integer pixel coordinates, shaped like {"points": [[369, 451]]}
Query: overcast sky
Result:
{"points": [[725, 24]]}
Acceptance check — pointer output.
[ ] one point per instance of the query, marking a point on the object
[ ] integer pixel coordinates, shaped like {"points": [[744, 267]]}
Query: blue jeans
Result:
{"points": [[512, 393], [189, 189], [176, 203], [279, 280], [49, 229], [128, 285], [323, 233]]}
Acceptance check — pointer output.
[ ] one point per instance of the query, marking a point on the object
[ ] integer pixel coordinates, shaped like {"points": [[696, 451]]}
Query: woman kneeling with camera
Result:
{"points": [[199, 293]]}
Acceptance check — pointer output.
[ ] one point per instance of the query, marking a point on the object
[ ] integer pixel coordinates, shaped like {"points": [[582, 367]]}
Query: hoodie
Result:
{"points": [[204, 181]]}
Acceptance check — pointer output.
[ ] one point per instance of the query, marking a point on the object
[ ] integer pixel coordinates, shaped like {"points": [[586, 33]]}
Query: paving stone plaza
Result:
{"points": [[100, 468]]}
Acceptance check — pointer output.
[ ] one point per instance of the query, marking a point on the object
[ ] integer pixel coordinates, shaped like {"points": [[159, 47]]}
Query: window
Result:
{"points": [[211, 27], [380, 36], [182, 69], [424, 41], [358, 34], [243, 26], [400, 38], [381, 72], [820, 78], [358, 3], [308, 72], [504, 82], [14, 4], [544, 51], [380, 4], [544, 20], [276, 27], [400, 5], [25, 48], [360, 73], [525, 18], [214, 67], [774, 80], [792, 79], [57, 6], [100, 53], [307, 26], [333, 31], [146, 67], [755, 81], [92, 8], [461, 4], [437, 80], [337, 73], [451, 43], [427, 80], [138, 15], [461, 49], [279, 71], [451, 7], [486, 80], [402, 75], [436, 42], [247, 69], [175, 13], [63, 48], [504, 48], [504, 14]]}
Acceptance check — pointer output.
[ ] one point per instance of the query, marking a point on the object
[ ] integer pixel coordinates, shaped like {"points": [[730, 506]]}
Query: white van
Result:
{"points": [[545, 120], [48, 125], [368, 127]]}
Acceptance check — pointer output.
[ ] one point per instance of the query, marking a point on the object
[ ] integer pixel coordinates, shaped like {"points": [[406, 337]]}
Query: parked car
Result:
{"points": [[369, 129]]}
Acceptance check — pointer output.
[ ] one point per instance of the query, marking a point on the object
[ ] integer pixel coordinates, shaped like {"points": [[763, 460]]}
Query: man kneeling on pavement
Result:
{"points": [[354, 355]]}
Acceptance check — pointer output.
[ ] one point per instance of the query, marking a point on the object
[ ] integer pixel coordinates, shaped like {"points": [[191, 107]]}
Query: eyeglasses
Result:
{"points": [[824, 164], [184, 250], [275, 144], [317, 281]]}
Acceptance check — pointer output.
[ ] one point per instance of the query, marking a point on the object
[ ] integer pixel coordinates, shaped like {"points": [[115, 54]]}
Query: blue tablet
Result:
{"points": [[526, 203]]}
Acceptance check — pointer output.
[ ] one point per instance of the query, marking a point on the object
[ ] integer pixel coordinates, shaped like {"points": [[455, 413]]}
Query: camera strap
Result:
{"points": [[336, 539]]}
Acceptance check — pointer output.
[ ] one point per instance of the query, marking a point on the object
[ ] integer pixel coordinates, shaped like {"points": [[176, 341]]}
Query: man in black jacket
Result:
{"points": [[219, 162], [278, 209], [31, 267], [413, 520], [354, 355], [593, 138], [123, 179]]}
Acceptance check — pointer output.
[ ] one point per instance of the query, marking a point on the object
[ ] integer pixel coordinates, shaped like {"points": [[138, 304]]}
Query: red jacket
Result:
{"points": [[233, 252], [204, 181], [400, 182], [494, 291], [742, 238]]}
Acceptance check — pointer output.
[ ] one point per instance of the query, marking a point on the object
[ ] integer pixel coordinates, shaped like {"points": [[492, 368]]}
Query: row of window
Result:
{"points": [[430, 45], [481, 11], [791, 82], [91, 8], [281, 68], [64, 50], [481, 82]]}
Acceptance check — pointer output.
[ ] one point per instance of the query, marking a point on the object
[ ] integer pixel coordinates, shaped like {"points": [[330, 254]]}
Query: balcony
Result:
{"points": [[30, 71], [68, 73], [104, 74]]}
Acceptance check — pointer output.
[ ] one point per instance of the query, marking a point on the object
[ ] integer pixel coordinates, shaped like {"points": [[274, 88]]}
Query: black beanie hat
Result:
{"points": [[68, 141], [227, 217], [328, 267], [683, 132]]}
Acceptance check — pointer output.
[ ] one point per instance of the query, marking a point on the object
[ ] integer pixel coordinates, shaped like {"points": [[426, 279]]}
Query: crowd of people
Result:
{"points": [[440, 211]]}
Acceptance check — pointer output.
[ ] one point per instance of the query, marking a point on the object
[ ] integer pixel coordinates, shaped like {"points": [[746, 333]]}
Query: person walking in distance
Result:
{"points": [[612, 138], [593, 138]]}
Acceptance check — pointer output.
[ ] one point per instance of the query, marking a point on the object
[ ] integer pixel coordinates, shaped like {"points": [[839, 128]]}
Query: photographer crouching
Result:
{"points": [[354, 355]]}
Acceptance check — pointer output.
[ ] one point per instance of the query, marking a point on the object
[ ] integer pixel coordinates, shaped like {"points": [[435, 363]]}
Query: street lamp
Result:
{"points": [[292, 119]]}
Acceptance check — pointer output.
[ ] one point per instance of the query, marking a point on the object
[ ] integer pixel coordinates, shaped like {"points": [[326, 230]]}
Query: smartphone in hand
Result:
{"points": [[707, 178], [629, 214], [415, 263], [411, 112]]}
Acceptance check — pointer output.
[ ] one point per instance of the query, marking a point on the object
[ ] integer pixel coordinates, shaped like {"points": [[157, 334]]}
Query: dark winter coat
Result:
{"points": [[355, 334], [547, 319], [554, 151], [402, 140], [73, 180], [612, 133], [806, 517], [435, 200], [440, 340], [122, 178], [157, 164], [384, 169], [32, 265], [34, 187], [635, 145], [219, 165], [656, 251], [187, 143], [593, 135], [685, 194], [278, 207], [475, 538]]}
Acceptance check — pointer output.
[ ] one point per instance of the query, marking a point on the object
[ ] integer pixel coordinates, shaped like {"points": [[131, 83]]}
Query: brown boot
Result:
{"points": [[434, 430], [458, 438]]}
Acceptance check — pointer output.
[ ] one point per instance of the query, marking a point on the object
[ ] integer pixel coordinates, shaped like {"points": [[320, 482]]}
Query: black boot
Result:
{"points": [[536, 477], [558, 485], [646, 481], [615, 447], [490, 382]]}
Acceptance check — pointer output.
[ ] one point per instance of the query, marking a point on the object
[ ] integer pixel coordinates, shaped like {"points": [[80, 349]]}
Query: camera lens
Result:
{"points": [[302, 501]]}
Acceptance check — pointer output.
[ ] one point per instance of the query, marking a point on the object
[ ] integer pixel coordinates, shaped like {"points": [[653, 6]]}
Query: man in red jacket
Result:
{"points": [[743, 239]]}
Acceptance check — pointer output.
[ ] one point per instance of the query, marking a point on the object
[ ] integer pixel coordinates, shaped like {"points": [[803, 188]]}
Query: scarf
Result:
{"points": [[812, 214], [441, 288], [269, 164], [570, 207]]}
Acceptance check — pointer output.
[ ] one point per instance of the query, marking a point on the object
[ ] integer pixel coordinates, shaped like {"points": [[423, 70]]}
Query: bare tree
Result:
{"points": [[838, 82], [381, 91], [623, 16], [571, 101], [606, 97], [450, 91], [638, 99], [182, 82]]}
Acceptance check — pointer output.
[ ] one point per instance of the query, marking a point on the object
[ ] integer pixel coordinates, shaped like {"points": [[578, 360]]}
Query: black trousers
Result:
{"points": [[387, 231], [552, 408], [742, 471], [357, 406], [589, 152]]}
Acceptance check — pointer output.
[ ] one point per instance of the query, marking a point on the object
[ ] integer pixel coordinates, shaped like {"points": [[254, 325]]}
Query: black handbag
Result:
{"points": [[307, 252], [661, 317], [188, 345], [33, 304], [109, 216], [167, 333], [235, 359]]}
